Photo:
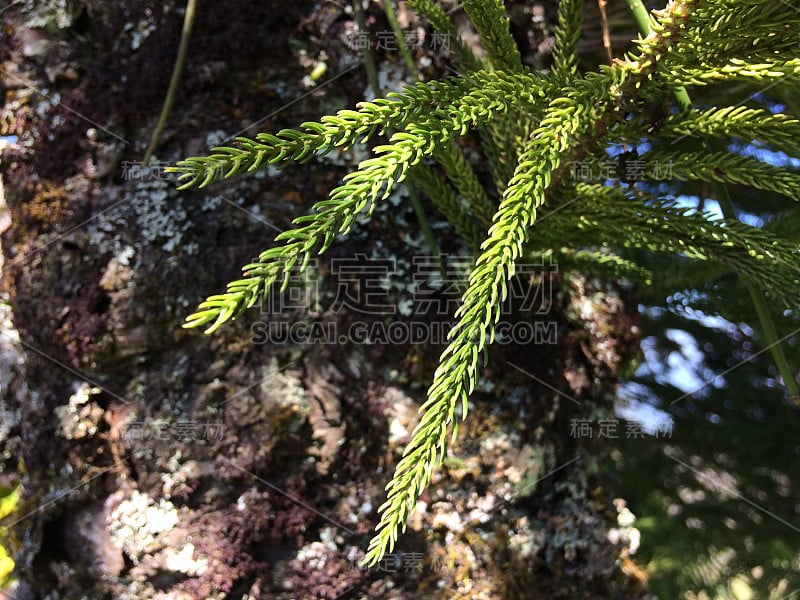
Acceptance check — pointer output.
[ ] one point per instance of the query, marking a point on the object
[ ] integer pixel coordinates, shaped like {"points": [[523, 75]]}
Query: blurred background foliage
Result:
{"points": [[717, 499]]}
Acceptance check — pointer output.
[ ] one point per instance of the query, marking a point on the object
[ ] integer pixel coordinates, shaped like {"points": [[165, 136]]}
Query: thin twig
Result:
{"points": [[601, 4], [175, 79]]}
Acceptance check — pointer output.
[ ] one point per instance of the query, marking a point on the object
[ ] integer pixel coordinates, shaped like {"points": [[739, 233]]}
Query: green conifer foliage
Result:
{"points": [[545, 122]]}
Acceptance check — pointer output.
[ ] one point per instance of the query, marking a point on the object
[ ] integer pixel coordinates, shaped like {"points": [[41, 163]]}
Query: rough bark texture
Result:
{"points": [[159, 463]]}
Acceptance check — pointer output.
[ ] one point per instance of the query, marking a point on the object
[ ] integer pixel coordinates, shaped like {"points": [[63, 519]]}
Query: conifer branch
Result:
{"points": [[566, 118], [446, 201], [489, 17], [725, 167], [463, 177], [433, 14], [485, 91], [666, 228], [373, 181], [723, 29], [568, 36], [781, 132], [735, 69], [492, 134], [457, 373], [601, 262]]}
